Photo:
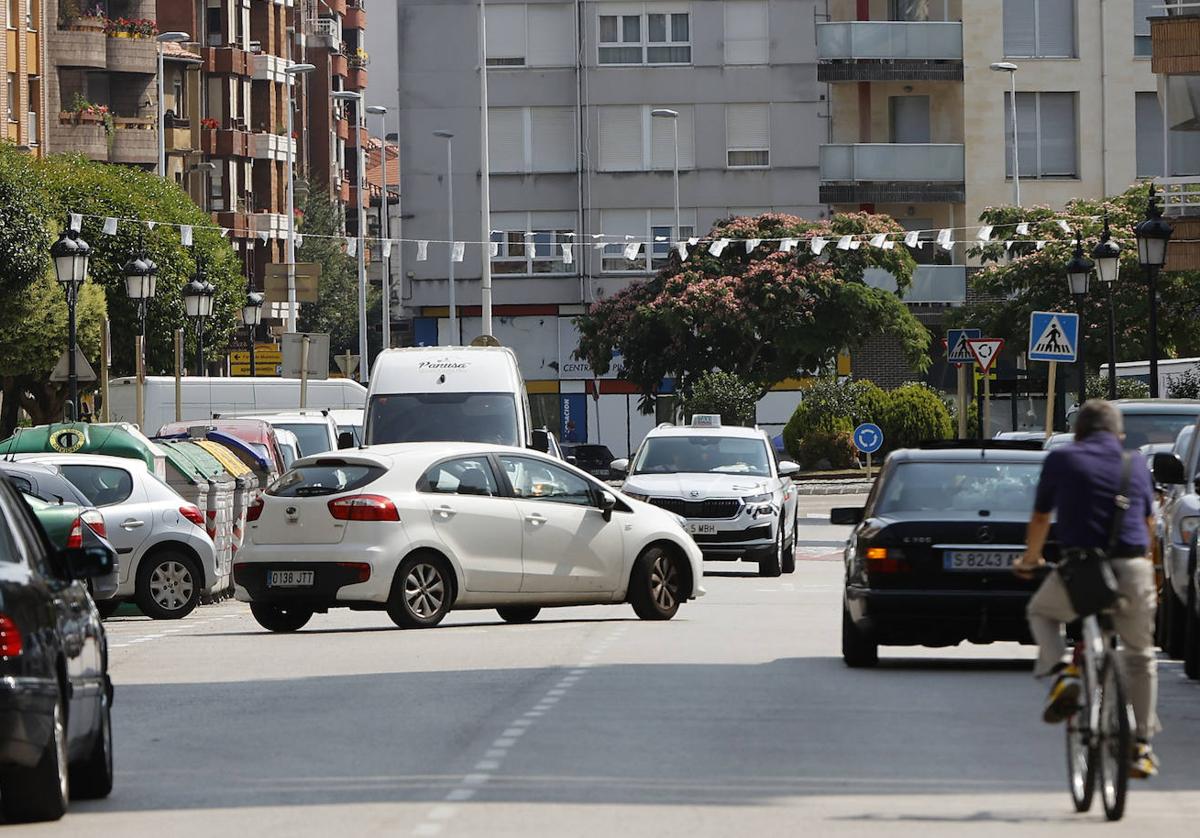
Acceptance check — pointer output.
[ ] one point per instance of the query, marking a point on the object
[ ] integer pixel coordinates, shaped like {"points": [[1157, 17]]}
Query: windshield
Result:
{"points": [[702, 455], [1144, 428], [312, 438], [960, 487], [443, 417]]}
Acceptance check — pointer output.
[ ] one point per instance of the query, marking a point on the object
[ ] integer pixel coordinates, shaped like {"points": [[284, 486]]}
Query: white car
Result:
{"points": [[165, 558], [349, 421], [419, 528], [738, 501], [316, 430]]}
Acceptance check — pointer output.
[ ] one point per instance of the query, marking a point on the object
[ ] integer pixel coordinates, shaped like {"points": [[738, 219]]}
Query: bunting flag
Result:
{"points": [[351, 246], [568, 256], [76, 221], [878, 239], [264, 235], [889, 244], [844, 243], [912, 239], [1023, 228], [150, 225], [1008, 245], [718, 247], [1066, 228], [631, 251], [985, 233], [751, 244], [422, 251], [387, 248], [660, 238], [788, 245], [943, 236], [817, 245], [855, 244], [693, 241], [1040, 245], [682, 249], [110, 226], [493, 249], [224, 232], [299, 239], [457, 250], [599, 245], [597, 236], [185, 235]]}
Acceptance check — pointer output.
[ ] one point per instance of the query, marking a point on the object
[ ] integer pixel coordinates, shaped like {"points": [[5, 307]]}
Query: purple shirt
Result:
{"points": [[1080, 480]]}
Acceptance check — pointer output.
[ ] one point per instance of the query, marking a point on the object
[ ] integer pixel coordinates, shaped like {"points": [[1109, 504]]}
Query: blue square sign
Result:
{"points": [[957, 351], [1053, 336]]}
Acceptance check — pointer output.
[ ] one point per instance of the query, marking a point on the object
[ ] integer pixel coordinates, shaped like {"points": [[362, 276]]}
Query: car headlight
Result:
{"points": [[637, 496], [1187, 528], [758, 505], [756, 499]]}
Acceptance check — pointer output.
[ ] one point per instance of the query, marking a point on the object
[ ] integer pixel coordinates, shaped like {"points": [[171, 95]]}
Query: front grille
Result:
{"points": [[727, 508], [735, 536]]}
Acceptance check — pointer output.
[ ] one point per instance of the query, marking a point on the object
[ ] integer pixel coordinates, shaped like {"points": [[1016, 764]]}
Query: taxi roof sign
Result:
{"points": [[706, 420]]}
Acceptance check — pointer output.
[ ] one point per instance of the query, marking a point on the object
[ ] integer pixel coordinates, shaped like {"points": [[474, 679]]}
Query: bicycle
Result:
{"points": [[1101, 728]]}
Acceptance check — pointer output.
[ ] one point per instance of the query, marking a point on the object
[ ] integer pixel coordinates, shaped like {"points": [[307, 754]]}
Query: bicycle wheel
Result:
{"points": [[1081, 751], [1116, 739]]}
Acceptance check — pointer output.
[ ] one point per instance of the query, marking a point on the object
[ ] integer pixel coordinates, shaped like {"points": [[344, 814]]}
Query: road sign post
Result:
{"points": [[1050, 399], [985, 351], [868, 438], [958, 352], [1053, 337]]}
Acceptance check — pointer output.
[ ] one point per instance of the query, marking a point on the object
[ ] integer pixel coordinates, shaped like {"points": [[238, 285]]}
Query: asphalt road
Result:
{"points": [[736, 718]]}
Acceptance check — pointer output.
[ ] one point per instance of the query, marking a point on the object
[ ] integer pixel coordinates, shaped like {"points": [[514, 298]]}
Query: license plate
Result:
{"points": [[979, 560], [702, 529], [290, 579]]}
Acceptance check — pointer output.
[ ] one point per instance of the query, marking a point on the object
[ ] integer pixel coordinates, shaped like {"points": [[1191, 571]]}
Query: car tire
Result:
{"points": [[40, 793], [787, 562], [92, 778], [280, 618], [518, 613], [858, 650], [654, 585], [107, 607], [1191, 631], [168, 585], [772, 565], [421, 591], [1174, 615]]}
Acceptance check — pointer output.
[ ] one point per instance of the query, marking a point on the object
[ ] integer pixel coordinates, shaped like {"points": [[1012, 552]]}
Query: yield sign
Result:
{"points": [[985, 350]]}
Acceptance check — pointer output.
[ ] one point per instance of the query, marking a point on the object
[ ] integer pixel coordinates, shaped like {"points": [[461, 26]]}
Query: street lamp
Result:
{"points": [[1152, 236], [1108, 265], [141, 278], [198, 304], [1079, 271], [667, 113], [70, 254], [292, 70], [360, 124], [449, 138], [252, 316], [384, 209], [1011, 69], [164, 38]]}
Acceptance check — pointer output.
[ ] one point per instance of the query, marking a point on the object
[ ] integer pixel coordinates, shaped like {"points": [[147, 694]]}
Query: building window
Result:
{"points": [[747, 38], [631, 140], [748, 136], [534, 35], [1142, 10], [14, 13], [1046, 125], [1185, 145], [32, 13], [1039, 28], [35, 97], [651, 37], [11, 90], [653, 229], [522, 140], [531, 243]]}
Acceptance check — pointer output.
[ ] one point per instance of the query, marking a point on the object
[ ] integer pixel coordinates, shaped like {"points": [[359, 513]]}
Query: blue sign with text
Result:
{"points": [[572, 418]]}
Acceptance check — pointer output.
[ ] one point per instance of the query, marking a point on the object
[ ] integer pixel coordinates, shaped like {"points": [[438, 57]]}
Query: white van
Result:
{"points": [[203, 397], [448, 393]]}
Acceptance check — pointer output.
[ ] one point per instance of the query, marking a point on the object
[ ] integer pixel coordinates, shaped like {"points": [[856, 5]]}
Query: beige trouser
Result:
{"points": [[1133, 620]]}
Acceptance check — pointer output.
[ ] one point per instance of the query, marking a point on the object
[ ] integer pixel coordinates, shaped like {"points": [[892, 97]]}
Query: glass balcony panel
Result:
{"points": [[930, 283], [892, 163], [890, 40]]}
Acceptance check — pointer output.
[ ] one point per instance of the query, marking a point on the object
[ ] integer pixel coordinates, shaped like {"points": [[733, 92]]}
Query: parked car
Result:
{"points": [[929, 560], [55, 693], [66, 527], [1190, 628], [1177, 522], [418, 529], [167, 557], [289, 447], [596, 460], [349, 420], [315, 429], [1155, 420]]}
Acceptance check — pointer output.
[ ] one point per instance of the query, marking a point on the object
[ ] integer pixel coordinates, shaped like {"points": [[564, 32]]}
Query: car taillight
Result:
{"points": [[96, 521], [75, 539], [363, 569], [254, 510], [192, 513], [884, 559], [11, 643], [364, 508]]}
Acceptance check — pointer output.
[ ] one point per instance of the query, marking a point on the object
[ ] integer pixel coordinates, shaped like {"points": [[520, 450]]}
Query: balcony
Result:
{"points": [[227, 61], [238, 223], [355, 17], [356, 79], [1175, 44], [892, 172], [1181, 205], [271, 147], [132, 55], [221, 142], [178, 137], [889, 51], [327, 32], [274, 224], [134, 141], [931, 284], [268, 67], [81, 46], [337, 64], [76, 135]]}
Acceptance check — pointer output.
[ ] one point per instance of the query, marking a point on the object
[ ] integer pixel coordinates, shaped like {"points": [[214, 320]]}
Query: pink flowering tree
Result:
{"points": [[765, 315]]}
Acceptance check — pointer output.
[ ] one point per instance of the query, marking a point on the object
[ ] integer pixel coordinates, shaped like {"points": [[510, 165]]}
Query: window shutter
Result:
{"points": [[747, 39], [1057, 126], [621, 138], [506, 140], [1056, 28], [1148, 140], [747, 126], [553, 133], [662, 145], [1019, 28], [551, 35], [505, 31]]}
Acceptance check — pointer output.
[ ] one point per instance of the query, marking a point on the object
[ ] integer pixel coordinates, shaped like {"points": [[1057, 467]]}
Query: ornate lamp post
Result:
{"points": [[1079, 272], [70, 254], [1107, 255], [141, 279], [252, 316], [198, 303], [1152, 236]]}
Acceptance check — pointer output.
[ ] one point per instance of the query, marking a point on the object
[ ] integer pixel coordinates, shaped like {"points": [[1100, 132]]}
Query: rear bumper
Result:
{"points": [[331, 581], [26, 719], [939, 618]]}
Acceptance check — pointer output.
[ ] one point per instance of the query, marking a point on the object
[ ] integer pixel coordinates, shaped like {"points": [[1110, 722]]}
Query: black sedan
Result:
{"points": [[594, 459], [55, 693], [929, 561]]}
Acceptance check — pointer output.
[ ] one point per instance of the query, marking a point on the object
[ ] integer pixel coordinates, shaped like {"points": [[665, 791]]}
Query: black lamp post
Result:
{"points": [[70, 254], [1108, 266], [1152, 236], [1079, 272], [141, 279], [198, 303], [252, 316]]}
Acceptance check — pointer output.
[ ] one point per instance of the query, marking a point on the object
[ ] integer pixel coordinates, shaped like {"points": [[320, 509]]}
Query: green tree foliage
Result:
{"points": [[1021, 279], [763, 316], [723, 393], [912, 414], [24, 236], [1186, 385]]}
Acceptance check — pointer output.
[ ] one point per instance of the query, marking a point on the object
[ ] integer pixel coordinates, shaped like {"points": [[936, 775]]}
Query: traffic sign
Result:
{"points": [[985, 351], [1053, 336], [868, 438], [348, 364], [267, 360], [83, 370], [957, 351]]}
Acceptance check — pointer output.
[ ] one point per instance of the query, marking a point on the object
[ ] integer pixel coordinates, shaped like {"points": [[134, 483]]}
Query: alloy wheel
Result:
{"points": [[424, 590], [664, 582], [171, 585]]}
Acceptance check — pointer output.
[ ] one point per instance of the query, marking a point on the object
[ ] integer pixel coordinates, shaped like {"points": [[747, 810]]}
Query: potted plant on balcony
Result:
{"points": [[77, 16], [360, 58]]}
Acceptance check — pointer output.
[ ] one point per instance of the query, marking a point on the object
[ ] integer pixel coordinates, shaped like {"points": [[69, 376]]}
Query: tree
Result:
{"points": [[24, 236], [763, 316], [725, 394], [1021, 279]]}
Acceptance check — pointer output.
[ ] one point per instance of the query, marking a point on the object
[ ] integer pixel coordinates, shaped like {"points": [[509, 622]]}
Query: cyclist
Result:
{"points": [[1079, 482]]}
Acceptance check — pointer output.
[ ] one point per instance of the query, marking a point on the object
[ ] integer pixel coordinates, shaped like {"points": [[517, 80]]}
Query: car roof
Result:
{"points": [[86, 460], [401, 452], [966, 455], [1186, 406], [295, 418], [725, 430]]}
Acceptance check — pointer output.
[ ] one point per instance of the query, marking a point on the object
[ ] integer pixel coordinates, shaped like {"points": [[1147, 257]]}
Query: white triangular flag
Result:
{"points": [[889, 244], [1040, 245], [351, 246], [751, 244], [568, 255], [1023, 228], [185, 235], [844, 243], [855, 244], [150, 225], [224, 232], [693, 241], [110, 226], [597, 236], [631, 250], [1008, 245], [1064, 226], [422, 251], [682, 249], [299, 240], [947, 245], [493, 249], [76, 221], [788, 245], [387, 248], [457, 251], [718, 247], [878, 239], [263, 234], [913, 239], [943, 236], [599, 245], [817, 245], [985, 233], [660, 238]]}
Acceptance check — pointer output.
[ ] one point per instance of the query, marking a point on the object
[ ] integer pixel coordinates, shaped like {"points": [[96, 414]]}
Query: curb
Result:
{"points": [[840, 488]]}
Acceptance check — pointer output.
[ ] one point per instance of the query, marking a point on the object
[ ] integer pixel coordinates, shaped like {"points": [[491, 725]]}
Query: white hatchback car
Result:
{"points": [[419, 528]]}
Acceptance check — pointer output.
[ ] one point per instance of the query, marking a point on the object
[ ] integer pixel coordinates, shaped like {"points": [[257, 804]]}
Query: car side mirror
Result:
{"points": [[540, 440], [619, 468], [846, 515], [788, 469], [1168, 469], [87, 562], [345, 440], [571, 459], [608, 502]]}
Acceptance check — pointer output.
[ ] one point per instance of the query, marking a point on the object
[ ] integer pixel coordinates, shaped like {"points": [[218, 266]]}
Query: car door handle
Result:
{"points": [[536, 519], [446, 512], [132, 524]]}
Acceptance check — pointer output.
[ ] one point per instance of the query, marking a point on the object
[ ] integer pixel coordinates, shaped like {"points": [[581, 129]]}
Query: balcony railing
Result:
{"points": [[892, 163], [890, 40], [945, 284], [1180, 195]]}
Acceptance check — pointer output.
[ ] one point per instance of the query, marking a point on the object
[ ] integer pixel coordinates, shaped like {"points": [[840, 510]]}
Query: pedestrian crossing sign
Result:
{"points": [[957, 349], [1053, 336]]}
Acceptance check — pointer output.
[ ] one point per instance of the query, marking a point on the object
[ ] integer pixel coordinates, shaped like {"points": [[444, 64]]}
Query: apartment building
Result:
{"points": [[22, 98], [575, 152]]}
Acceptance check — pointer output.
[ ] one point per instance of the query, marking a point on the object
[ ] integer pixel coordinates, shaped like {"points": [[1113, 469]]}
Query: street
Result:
{"points": [[737, 717]]}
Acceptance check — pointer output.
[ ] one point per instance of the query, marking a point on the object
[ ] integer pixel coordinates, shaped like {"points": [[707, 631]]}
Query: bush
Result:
{"points": [[1186, 385], [1096, 387], [833, 447], [828, 407], [912, 414], [723, 393]]}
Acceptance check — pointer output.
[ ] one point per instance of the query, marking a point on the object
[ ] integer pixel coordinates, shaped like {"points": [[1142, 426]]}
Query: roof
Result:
{"points": [[399, 451], [86, 460], [173, 51], [966, 455], [1190, 406], [374, 171], [736, 431]]}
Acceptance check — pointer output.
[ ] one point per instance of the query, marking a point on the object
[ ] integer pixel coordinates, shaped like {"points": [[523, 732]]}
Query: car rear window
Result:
{"points": [[1145, 428], [960, 487], [101, 485], [324, 478], [313, 438]]}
